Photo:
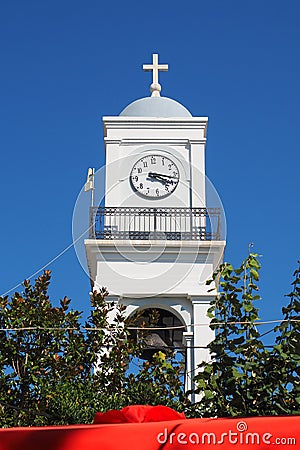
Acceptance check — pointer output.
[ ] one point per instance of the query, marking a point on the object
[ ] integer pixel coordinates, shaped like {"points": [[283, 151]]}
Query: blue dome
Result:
{"points": [[155, 107]]}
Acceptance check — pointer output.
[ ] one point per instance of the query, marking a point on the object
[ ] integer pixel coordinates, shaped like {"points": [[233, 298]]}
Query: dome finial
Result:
{"points": [[155, 87]]}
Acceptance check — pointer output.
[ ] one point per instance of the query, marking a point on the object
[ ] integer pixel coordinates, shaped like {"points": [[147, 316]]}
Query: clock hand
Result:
{"points": [[158, 178], [159, 175]]}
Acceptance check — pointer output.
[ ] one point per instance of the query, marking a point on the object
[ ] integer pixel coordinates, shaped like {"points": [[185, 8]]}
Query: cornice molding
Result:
{"points": [[115, 122], [129, 246], [158, 141]]}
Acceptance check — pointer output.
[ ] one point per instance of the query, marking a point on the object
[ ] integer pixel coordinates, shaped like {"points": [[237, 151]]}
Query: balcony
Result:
{"points": [[110, 223]]}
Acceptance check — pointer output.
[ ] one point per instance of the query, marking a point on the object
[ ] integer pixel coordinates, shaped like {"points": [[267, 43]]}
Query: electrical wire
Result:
{"points": [[147, 328], [48, 263]]}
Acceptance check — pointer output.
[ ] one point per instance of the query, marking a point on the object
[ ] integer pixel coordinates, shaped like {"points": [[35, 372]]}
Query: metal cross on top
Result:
{"points": [[155, 87]]}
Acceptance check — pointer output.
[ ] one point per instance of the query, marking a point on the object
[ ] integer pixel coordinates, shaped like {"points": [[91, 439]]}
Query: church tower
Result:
{"points": [[156, 242]]}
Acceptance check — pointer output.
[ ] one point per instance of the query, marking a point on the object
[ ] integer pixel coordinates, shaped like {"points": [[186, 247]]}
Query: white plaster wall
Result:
{"points": [[119, 191], [135, 268], [127, 139], [202, 332], [122, 279]]}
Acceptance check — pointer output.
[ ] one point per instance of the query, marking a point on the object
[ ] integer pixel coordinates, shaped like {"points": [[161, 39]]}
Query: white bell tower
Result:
{"points": [[155, 242]]}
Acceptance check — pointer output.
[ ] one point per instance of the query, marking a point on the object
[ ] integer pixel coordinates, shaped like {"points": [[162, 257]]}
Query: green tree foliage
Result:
{"points": [[47, 361], [286, 355], [159, 382], [244, 377]]}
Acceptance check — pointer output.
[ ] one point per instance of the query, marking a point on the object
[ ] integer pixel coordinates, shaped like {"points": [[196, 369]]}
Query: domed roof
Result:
{"points": [[155, 107]]}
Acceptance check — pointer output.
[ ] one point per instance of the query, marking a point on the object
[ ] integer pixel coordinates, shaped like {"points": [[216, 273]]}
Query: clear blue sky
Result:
{"points": [[64, 64]]}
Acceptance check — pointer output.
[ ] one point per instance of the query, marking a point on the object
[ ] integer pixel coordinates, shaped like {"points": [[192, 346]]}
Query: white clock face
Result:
{"points": [[154, 176]]}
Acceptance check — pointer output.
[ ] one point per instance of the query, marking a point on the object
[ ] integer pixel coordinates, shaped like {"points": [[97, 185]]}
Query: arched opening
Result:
{"points": [[160, 330]]}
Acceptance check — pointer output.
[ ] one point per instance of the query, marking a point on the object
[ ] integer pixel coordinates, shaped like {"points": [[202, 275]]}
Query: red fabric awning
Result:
{"points": [[248, 433]]}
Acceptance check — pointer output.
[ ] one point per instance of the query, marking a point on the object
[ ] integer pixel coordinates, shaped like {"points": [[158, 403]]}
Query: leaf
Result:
{"points": [[236, 373], [208, 394], [254, 274], [201, 383], [253, 262], [248, 307]]}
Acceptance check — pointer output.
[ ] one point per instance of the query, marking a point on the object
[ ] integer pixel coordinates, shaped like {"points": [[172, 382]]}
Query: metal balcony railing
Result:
{"points": [[155, 223]]}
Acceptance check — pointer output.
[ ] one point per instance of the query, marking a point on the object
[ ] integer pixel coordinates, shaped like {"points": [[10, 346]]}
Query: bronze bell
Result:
{"points": [[153, 344]]}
